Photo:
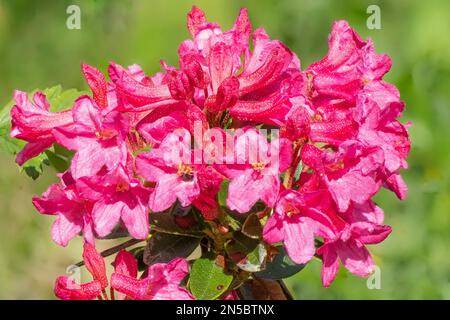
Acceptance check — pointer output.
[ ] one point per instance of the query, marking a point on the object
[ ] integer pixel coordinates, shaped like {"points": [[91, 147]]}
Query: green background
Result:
{"points": [[37, 50]]}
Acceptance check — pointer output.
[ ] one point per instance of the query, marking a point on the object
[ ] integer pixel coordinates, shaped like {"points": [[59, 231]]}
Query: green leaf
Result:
{"points": [[207, 280], [234, 223], [280, 267], [223, 193], [163, 247], [59, 100], [57, 162], [248, 254], [163, 222], [298, 171]]}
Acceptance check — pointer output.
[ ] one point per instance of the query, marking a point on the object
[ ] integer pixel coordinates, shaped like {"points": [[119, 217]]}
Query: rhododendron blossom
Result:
{"points": [[235, 148]]}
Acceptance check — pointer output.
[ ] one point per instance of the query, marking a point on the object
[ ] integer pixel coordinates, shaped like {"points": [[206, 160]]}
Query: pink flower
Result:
{"points": [[259, 88], [348, 66], [348, 245], [33, 122], [254, 169], [378, 106], [74, 213], [162, 282], [171, 167], [350, 175], [162, 120], [67, 289], [138, 92], [297, 219], [97, 137], [95, 264], [118, 197]]}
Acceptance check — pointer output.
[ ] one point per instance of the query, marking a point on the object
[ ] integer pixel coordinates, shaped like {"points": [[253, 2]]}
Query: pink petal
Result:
{"points": [[396, 183], [220, 64], [130, 286], [66, 226], [273, 230], [140, 94], [330, 264], [195, 19], [97, 82], [33, 149], [355, 257], [126, 264], [95, 264], [67, 289], [163, 196], [299, 240], [352, 187], [244, 191], [106, 216], [269, 189], [135, 216]]}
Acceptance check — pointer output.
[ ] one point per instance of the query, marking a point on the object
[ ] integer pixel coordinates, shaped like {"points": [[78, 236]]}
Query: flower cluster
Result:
{"points": [[145, 144]]}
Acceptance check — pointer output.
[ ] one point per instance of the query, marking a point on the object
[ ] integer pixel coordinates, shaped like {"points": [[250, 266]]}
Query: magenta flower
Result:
{"points": [[350, 175], [350, 64], [117, 197], [74, 213], [162, 282], [33, 122], [171, 167], [213, 75], [138, 92], [97, 138], [347, 244], [296, 221], [253, 168], [67, 289], [378, 106]]}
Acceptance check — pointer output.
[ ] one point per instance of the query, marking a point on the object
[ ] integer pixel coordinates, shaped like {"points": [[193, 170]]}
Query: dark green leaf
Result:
{"points": [[163, 247], [280, 267], [164, 222], [57, 162], [207, 280]]}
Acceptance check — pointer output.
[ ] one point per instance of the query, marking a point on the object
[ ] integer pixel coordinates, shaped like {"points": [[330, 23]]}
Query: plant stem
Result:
{"points": [[111, 251]]}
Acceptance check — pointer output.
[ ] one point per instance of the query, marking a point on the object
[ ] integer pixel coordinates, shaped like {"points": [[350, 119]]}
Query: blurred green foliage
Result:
{"points": [[37, 50]]}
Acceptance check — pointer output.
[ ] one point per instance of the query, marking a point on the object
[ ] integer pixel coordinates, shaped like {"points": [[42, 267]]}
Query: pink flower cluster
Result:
{"points": [[339, 143]]}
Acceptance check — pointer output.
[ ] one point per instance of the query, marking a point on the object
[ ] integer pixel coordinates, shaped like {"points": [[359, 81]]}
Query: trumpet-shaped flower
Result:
{"points": [[296, 221], [74, 213], [97, 138], [117, 197], [162, 282], [33, 122], [254, 167]]}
